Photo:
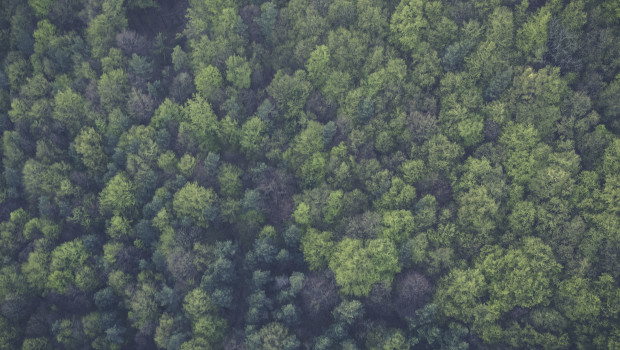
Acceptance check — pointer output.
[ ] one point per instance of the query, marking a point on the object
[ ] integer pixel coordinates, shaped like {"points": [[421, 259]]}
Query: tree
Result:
{"points": [[357, 267], [238, 72], [460, 292], [611, 164], [186, 165], [333, 210], [427, 331], [302, 214], [426, 212], [88, 144], [610, 108], [577, 300], [412, 171], [118, 197], [398, 196], [388, 339], [113, 89], [192, 201], [408, 23], [8, 334], [478, 211], [66, 262], [92, 324], [228, 132], [41, 7], [319, 295], [455, 55], [142, 305], [40, 179], [141, 68], [447, 172], [412, 290], [398, 225], [524, 152], [229, 180], [140, 106], [253, 136], [208, 81], [312, 171], [207, 327], [348, 312], [308, 142], [564, 43], [532, 36], [197, 304], [267, 20], [290, 92], [36, 270], [317, 248], [119, 228], [273, 336], [417, 21], [520, 277], [441, 152], [102, 29], [181, 87], [537, 97], [70, 108], [201, 125], [521, 218], [38, 343], [318, 66], [131, 42]]}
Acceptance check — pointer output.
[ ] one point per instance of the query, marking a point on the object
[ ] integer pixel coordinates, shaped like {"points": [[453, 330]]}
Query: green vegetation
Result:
{"points": [[310, 174]]}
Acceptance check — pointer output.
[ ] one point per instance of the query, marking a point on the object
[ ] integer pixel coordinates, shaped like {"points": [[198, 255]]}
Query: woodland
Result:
{"points": [[310, 174]]}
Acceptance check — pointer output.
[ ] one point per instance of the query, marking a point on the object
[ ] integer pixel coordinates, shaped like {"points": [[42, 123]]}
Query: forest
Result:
{"points": [[310, 174]]}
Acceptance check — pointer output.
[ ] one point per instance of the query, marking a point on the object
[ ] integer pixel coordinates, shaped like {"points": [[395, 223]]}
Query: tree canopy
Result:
{"points": [[310, 174]]}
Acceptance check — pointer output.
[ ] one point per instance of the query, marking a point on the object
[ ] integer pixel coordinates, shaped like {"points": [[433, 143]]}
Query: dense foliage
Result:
{"points": [[310, 174]]}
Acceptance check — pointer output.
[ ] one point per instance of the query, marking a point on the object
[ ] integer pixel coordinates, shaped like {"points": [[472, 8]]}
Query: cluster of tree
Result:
{"points": [[310, 174]]}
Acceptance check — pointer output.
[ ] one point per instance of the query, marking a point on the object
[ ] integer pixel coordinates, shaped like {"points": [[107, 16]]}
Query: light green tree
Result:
{"points": [[36, 270], [66, 262], [398, 225], [357, 266], [408, 23], [524, 152], [113, 89], [478, 211], [399, 196], [70, 110], [290, 92], [118, 197], [201, 124], [229, 180], [532, 36], [208, 328], [186, 165], [89, 145], [333, 209], [578, 301], [192, 200], [253, 137], [102, 29], [318, 66], [317, 248], [460, 293], [238, 72], [520, 277], [537, 97], [208, 81]]}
